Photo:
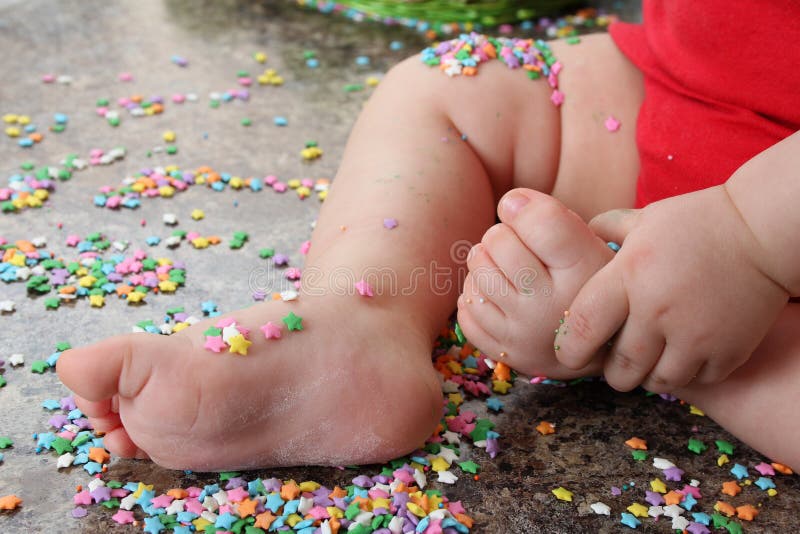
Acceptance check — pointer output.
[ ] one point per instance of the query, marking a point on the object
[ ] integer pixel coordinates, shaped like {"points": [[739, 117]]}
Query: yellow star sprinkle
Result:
{"points": [[439, 464], [97, 301], [658, 486], [694, 410], [500, 386], [722, 460], [141, 488], [562, 494], [134, 297], [198, 214], [239, 344], [639, 510]]}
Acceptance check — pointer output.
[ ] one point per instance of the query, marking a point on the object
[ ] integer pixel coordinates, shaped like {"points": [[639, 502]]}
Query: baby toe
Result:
{"points": [[558, 237]]}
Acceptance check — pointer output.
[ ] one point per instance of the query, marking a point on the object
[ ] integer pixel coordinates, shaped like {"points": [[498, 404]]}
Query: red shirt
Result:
{"points": [[722, 83]]}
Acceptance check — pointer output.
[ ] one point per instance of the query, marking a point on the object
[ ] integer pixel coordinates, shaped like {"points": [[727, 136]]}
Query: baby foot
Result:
{"points": [[523, 276], [327, 395]]}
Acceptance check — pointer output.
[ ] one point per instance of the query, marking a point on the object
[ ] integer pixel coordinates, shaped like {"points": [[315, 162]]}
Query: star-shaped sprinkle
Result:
{"points": [[702, 518], [271, 330], [673, 474], [697, 528], [501, 386], [247, 507], [765, 469], [99, 455], [16, 359], [765, 483], [494, 404], [600, 508], [293, 322], [739, 471], [9, 502], [39, 366], [390, 223], [274, 502], [123, 517], [724, 446], [696, 446], [5, 442], [629, 520], [364, 289], [612, 124], [562, 494], [162, 501], [545, 427], [469, 467], [197, 214], [153, 525], [748, 512], [6, 306], [237, 494], [239, 344], [265, 520], [637, 443], [731, 488], [637, 509], [212, 331], [689, 502], [214, 343]]}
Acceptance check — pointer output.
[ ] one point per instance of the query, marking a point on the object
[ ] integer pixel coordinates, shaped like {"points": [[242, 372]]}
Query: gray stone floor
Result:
{"points": [[93, 42]]}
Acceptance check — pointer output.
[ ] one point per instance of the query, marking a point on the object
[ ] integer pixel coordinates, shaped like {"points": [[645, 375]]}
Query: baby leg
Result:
{"points": [[758, 402], [528, 268], [356, 385]]}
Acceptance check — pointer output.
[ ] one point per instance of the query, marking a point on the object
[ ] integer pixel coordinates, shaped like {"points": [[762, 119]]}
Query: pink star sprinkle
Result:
{"points": [[214, 344], [364, 289], [123, 517], [237, 494], [557, 98], [271, 331], [612, 124]]}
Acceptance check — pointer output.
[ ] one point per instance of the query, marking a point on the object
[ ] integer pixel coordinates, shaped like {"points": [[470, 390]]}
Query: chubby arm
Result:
{"points": [[766, 193], [698, 282]]}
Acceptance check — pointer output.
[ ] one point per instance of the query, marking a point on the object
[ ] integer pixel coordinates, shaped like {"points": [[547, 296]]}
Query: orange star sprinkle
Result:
{"points": [[725, 508], [290, 491], [673, 497], [178, 493], [748, 512], [637, 443], [99, 455], [545, 428], [731, 488], [247, 507], [337, 492], [9, 502], [502, 372], [783, 469], [265, 520]]}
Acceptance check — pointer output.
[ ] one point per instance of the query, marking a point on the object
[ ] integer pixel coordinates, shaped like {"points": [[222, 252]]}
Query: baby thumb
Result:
{"points": [[614, 225]]}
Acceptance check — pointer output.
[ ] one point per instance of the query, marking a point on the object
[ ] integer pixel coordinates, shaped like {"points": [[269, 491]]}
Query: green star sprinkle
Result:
{"points": [[293, 322], [724, 447], [469, 467], [212, 331], [697, 446], [61, 445], [5, 442], [639, 455], [39, 366]]}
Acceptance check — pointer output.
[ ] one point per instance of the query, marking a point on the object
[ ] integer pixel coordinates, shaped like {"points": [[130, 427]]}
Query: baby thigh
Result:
{"points": [[598, 161]]}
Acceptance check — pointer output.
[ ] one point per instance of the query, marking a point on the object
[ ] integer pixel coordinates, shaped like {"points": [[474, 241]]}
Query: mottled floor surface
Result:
{"points": [[94, 41]]}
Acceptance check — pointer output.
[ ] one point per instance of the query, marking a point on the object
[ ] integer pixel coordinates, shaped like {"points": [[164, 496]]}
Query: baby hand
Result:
{"points": [[683, 295]]}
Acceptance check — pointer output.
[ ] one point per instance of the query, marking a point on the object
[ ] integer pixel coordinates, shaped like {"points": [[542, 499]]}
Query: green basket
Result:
{"points": [[460, 11]]}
